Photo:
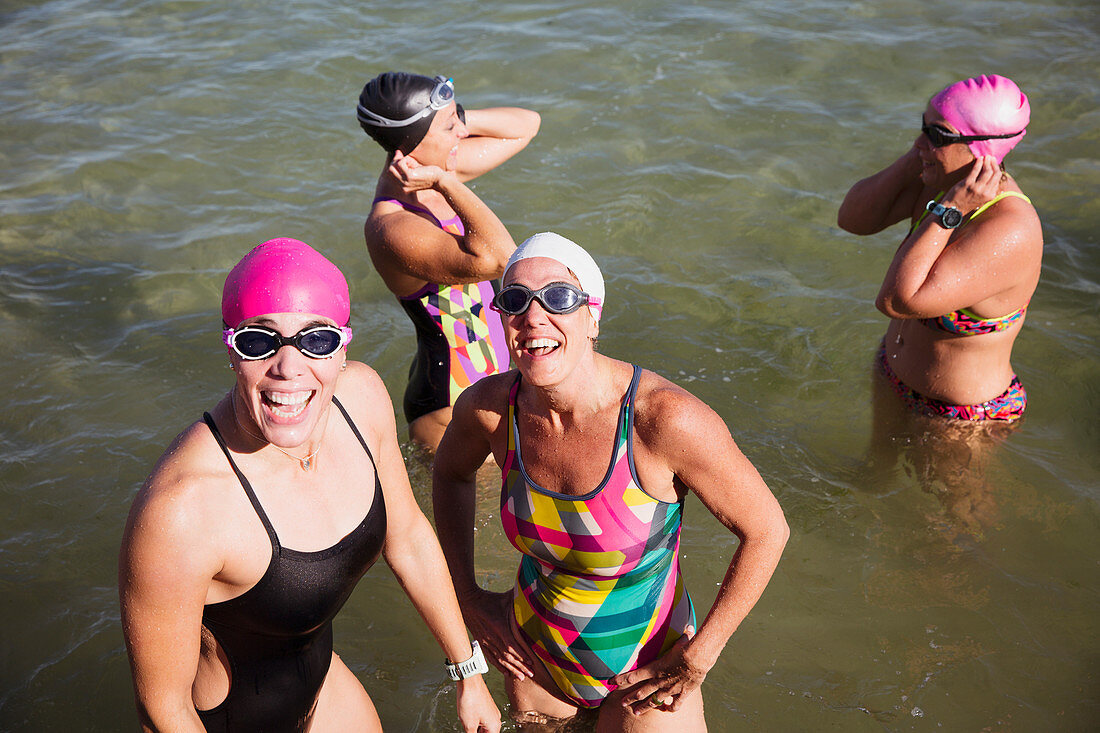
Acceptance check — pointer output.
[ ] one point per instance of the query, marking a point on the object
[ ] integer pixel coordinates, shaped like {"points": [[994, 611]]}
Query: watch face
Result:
{"points": [[951, 218]]}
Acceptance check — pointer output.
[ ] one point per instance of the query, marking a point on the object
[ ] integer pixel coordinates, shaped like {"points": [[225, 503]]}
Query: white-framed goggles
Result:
{"points": [[441, 96], [253, 343]]}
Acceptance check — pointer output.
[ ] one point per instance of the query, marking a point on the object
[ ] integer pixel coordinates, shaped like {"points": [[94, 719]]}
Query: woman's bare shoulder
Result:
{"points": [[665, 411], [486, 400], [186, 492]]}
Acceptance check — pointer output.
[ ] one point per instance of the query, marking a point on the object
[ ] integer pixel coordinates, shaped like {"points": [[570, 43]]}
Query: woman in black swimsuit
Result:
{"points": [[257, 523], [435, 244]]}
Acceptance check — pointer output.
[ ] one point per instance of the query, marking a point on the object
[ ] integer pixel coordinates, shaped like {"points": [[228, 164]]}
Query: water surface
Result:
{"points": [[699, 150]]}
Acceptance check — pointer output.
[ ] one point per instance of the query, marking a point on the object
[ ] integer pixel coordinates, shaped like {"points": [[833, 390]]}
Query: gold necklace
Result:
{"points": [[306, 463]]}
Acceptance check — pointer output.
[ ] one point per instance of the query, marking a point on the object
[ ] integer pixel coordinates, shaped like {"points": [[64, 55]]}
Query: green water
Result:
{"points": [[699, 150]]}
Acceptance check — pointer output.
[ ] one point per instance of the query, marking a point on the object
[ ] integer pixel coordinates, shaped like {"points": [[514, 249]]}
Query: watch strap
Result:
{"points": [[474, 665], [938, 210]]}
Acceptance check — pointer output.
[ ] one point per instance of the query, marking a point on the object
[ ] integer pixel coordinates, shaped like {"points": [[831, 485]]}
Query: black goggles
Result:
{"points": [[259, 342], [940, 137], [557, 298]]}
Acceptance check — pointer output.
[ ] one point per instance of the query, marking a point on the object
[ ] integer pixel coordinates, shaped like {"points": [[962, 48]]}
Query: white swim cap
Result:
{"points": [[568, 253]]}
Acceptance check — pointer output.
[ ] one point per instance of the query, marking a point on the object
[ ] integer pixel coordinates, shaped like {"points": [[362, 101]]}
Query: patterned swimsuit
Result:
{"points": [[458, 339], [1007, 406], [599, 590]]}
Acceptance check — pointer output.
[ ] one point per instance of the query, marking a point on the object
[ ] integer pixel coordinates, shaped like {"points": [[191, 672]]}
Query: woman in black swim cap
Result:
{"points": [[436, 245]]}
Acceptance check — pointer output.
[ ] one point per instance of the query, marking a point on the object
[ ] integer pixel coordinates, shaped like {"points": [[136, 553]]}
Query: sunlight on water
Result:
{"points": [[700, 151]]}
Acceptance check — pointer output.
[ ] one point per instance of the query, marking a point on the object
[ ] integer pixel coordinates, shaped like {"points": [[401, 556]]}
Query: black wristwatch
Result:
{"points": [[950, 217]]}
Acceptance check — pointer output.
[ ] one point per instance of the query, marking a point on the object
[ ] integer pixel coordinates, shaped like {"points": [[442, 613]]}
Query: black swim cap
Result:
{"points": [[397, 95]]}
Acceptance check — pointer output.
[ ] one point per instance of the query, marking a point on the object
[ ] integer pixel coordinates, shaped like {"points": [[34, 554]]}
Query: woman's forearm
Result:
{"points": [[422, 571], [486, 237], [749, 572], [503, 122], [882, 199], [910, 270], [495, 136]]}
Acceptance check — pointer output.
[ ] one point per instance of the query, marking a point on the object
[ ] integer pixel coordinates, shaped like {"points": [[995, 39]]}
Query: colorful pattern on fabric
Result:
{"points": [[964, 323], [1008, 406], [599, 589], [474, 333]]}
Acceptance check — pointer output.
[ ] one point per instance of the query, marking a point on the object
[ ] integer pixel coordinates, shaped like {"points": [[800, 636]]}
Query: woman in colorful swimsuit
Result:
{"points": [[597, 458], [259, 520], [435, 244], [959, 284]]}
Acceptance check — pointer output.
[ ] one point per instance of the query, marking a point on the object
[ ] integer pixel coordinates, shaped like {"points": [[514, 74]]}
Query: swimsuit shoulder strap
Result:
{"points": [[354, 429], [209, 420], [626, 424], [513, 429], [626, 421], [995, 199], [451, 226], [403, 205]]}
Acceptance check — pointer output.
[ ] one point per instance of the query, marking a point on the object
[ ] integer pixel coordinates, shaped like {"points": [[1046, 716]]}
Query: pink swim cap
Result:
{"points": [[986, 105], [285, 276]]}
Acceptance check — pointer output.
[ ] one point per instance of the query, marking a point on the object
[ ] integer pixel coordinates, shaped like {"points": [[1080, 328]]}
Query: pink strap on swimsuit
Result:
{"points": [[453, 225]]}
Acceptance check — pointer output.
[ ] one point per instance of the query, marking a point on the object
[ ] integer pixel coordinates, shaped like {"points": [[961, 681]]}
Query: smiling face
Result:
{"points": [[945, 163], [547, 347], [440, 144], [284, 396]]}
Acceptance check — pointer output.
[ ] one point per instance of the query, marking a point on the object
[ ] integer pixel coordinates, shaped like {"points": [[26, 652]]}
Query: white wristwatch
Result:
{"points": [[474, 665]]}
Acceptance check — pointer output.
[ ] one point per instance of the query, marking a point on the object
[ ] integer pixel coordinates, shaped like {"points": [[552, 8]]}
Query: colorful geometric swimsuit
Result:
{"points": [[458, 339], [599, 590], [1009, 405]]}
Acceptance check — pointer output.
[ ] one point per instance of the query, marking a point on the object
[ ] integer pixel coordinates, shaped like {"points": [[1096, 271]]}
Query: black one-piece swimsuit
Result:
{"points": [[277, 635]]}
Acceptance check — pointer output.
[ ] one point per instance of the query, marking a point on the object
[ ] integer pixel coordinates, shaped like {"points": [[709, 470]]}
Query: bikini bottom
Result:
{"points": [[1008, 406]]}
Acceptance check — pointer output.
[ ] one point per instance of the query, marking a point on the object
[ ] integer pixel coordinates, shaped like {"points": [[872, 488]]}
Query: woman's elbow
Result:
{"points": [[530, 122], [780, 532], [892, 306], [849, 219], [845, 221], [882, 304]]}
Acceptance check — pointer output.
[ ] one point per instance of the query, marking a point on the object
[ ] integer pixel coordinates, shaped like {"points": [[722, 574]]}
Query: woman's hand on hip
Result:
{"points": [[489, 618], [663, 682]]}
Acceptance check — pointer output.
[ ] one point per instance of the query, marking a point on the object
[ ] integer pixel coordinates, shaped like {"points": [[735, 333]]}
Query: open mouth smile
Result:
{"points": [[287, 404], [540, 346]]}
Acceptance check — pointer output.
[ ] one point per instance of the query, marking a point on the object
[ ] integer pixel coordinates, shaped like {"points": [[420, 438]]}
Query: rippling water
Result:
{"points": [[700, 150]]}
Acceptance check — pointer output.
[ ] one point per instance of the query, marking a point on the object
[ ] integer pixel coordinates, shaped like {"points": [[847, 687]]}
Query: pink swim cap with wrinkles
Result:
{"points": [[285, 276], [986, 105]]}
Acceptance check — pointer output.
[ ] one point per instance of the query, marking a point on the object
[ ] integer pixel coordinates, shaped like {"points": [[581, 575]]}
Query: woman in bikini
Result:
{"points": [[959, 285], [259, 520], [435, 244], [956, 292], [597, 458]]}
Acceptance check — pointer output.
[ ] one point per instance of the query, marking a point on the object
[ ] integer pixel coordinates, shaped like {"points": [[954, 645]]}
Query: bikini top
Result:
{"points": [[965, 322], [451, 226]]}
